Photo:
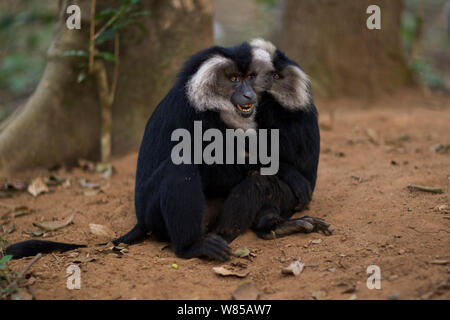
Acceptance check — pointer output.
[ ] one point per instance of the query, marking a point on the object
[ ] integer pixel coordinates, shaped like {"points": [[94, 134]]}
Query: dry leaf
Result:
{"points": [[91, 193], [21, 211], [247, 291], [8, 227], [445, 208], [242, 252], [101, 230], [54, 225], [37, 186], [319, 295], [88, 185], [373, 137], [295, 268], [225, 272]]}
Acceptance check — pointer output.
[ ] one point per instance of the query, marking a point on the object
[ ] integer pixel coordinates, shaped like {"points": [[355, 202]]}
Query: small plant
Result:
{"points": [[8, 280], [111, 23]]}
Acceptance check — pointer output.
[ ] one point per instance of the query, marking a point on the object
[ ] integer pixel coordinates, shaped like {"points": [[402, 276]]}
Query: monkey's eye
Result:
{"points": [[235, 78], [251, 76], [276, 76]]}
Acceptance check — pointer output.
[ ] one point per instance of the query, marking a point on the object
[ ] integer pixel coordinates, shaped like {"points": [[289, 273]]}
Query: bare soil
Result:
{"points": [[371, 153]]}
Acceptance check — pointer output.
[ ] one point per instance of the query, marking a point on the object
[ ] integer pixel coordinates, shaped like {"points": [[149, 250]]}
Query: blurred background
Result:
{"points": [[328, 38]]}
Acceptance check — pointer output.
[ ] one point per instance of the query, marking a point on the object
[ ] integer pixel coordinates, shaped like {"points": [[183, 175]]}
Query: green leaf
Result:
{"points": [[75, 53], [5, 259], [106, 13], [106, 56]]}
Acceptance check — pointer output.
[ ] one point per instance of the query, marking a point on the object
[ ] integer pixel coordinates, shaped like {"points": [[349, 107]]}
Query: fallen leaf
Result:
{"points": [[88, 185], [91, 193], [319, 295], [106, 170], [54, 225], [225, 272], [37, 186], [440, 262], [101, 230], [8, 227], [373, 137], [246, 291], [20, 211], [415, 187], [295, 268], [445, 208], [242, 252], [36, 233]]}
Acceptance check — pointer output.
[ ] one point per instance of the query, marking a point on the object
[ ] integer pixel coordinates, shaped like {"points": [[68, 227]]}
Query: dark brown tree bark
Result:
{"points": [[61, 121], [330, 40]]}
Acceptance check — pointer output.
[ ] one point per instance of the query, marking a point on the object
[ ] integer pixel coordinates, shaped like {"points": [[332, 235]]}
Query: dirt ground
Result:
{"points": [[369, 157]]}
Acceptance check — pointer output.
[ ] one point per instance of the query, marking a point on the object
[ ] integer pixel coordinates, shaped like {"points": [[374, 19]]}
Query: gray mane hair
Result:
{"points": [[265, 45], [202, 90], [293, 92], [262, 65]]}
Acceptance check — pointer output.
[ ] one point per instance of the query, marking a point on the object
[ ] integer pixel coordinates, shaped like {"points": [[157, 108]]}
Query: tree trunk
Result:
{"points": [[330, 40], [60, 123]]}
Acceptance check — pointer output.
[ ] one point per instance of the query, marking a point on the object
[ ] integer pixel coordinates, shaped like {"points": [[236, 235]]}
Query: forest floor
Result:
{"points": [[372, 152]]}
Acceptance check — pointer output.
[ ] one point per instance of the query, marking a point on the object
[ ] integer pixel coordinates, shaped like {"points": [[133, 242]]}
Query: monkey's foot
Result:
{"points": [[301, 225]]}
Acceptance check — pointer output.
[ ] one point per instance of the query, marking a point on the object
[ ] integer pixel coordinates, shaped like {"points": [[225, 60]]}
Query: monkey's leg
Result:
{"points": [[182, 205], [241, 206]]}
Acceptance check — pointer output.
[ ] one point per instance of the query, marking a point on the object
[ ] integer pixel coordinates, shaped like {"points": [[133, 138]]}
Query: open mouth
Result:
{"points": [[245, 110]]}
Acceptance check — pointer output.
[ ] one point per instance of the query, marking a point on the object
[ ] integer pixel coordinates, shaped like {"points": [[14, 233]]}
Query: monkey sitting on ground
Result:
{"points": [[221, 88], [266, 203]]}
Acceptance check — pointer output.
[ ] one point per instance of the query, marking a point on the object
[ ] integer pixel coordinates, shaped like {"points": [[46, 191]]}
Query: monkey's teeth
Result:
{"points": [[246, 107]]}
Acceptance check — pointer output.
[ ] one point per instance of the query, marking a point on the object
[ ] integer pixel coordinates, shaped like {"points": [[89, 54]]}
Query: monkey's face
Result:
{"points": [[232, 87], [290, 87], [290, 83]]}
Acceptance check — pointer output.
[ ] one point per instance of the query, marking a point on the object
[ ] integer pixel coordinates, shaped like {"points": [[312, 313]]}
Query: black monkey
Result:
{"points": [[220, 87], [265, 203]]}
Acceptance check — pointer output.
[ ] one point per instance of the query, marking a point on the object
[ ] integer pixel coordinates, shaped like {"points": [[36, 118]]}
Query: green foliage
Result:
{"points": [[428, 74], [8, 283], [109, 22], [268, 3], [24, 37]]}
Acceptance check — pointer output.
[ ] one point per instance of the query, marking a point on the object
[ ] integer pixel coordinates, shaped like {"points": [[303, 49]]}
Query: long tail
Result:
{"points": [[33, 247]]}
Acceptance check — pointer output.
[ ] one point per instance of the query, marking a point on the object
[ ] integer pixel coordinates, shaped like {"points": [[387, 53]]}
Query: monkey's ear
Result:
{"points": [[201, 89]]}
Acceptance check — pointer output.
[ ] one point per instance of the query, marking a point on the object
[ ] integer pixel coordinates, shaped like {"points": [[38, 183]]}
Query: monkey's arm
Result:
{"points": [[182, 204]]}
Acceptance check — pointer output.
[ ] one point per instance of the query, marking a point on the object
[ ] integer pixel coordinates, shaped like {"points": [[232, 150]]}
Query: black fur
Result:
{"points": [[170, 199], [265, 203]]}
